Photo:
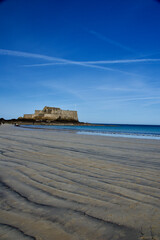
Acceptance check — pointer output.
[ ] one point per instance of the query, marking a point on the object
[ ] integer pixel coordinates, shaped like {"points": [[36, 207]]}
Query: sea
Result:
{"points": [[113, 130]]}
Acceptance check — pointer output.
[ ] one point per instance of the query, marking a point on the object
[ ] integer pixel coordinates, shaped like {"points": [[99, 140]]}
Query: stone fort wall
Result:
{"points": [[52, 114]]}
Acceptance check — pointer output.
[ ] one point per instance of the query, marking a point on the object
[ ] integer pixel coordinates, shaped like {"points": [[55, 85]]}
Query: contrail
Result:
{"points": [[124, 61], [135, 99], [29, 55], [45, 64], [59, 61], [94, 63], [39, 56], [106, 39], [82, 64]]}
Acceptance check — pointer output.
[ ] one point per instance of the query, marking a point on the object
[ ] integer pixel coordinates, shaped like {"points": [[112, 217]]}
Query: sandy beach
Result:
{"points": [[65, 186]]}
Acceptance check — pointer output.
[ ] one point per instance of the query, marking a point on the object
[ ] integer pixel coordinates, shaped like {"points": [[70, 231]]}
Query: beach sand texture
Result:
{"points": [[60, 186]]}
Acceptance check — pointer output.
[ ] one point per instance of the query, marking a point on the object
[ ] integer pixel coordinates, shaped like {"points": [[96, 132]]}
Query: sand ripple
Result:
{"points": [[56, 185]]}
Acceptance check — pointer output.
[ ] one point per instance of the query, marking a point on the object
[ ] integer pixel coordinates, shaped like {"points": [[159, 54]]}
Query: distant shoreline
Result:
{"points": [[47, 123], [65, 123]]}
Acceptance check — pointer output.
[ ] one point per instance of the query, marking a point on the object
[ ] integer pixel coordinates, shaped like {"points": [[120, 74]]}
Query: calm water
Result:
{"points": [[116, 130]]}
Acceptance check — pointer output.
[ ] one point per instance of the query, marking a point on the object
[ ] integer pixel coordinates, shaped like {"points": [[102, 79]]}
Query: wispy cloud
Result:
{"points": [[57, 60], [120, 61], [62, 61], [44, 64], [39, 56], [110, 41], [117, 89], [130, 87], [106, 102], [136, 98], [125, 61], [28, 55], [87, 95], [63, 89]]}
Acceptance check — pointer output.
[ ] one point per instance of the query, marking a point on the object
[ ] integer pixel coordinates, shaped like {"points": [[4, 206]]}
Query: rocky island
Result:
{"points": [[46, 116], [52, 114]]}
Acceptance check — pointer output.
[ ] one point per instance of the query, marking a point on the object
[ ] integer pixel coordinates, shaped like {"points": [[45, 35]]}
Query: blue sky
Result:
{"points": [[101, 58]]}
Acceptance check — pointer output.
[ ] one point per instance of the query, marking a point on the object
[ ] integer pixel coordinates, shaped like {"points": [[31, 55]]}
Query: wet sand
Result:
{"points": [[58, 185]]}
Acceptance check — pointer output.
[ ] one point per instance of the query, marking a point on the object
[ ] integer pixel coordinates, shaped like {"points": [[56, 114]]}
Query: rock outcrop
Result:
{"points": [[53, 114]]}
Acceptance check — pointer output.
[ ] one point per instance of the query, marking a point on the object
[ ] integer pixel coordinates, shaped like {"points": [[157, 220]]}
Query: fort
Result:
{"points": [[52, 114]]}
